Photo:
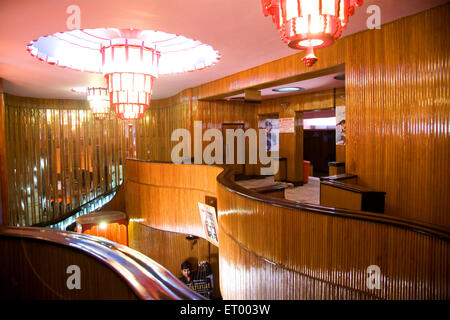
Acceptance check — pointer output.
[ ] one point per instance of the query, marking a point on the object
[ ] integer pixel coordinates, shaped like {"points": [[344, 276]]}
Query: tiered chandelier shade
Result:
{"points": [[309, 24], [99, 102], [130, 60], [130, 70]]}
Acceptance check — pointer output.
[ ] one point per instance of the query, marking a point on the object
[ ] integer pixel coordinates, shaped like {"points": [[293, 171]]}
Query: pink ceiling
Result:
{"points": [[236, 28]]}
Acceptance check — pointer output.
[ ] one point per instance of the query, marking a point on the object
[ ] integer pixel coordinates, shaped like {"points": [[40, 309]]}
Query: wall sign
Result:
{"points": [[286, 125], [340, 126], [209, 221]]}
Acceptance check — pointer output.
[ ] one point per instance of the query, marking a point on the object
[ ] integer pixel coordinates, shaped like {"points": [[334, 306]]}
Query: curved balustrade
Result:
{"points": [[273, 248], [279, 249], [38, 258], [165, 195]]}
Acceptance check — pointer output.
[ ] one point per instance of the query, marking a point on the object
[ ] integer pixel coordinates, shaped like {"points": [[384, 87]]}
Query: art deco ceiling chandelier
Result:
{"points": [[129, 59], [310, 24]]}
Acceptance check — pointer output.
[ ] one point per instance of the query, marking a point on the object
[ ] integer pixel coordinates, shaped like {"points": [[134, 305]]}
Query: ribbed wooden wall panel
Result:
{"points": [[271, 252], [170, 249], [398, 114], [153, 132], [58, 153], [290, 148], [165, 196]]}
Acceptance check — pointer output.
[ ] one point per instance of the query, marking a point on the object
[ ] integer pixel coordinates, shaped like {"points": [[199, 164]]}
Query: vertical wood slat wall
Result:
{"points": [[271, 252], [382, 99], [398, 114], [397, 108], [59, 157]]}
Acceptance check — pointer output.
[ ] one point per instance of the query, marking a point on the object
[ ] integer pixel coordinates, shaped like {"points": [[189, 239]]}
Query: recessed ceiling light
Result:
{"points": [[288, 89], [340, 77]]}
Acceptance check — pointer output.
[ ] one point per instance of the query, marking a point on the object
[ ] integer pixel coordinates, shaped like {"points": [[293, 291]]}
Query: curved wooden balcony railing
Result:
{"points": [[292, 250], [35, 262], [271, 248]]}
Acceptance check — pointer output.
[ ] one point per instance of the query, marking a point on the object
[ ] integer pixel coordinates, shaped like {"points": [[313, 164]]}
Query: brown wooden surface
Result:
{"points": [[282, 250], [37, 270], [332, 170], [281, 175], [38, 259], [397, 114], [238, 168], [166, 195], [274, 190], [4, 205], [330, 196], [340, 153], [170, 249], [397, 124], [278, 249]]}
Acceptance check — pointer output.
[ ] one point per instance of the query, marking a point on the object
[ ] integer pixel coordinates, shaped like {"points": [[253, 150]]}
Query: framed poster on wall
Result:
{"points": [[340, 126], [209, 222], [272, 127]]}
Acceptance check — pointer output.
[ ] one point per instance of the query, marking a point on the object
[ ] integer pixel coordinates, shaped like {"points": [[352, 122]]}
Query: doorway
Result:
{"points": [[319, 144]]}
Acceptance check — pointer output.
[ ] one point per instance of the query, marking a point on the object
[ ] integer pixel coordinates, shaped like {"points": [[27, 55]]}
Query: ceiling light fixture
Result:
{"points": [[99, 102], [309, 24], [288, 89], [129, 59], [130, 71]]}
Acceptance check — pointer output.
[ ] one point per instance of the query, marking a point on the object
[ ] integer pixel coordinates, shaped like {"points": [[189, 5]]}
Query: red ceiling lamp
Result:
{"points": [[99, 102], [309, 24], [130, 69]]}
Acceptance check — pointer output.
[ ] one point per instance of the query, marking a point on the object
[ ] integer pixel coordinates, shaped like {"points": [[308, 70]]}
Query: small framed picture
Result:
{"points": [[208, 216]]}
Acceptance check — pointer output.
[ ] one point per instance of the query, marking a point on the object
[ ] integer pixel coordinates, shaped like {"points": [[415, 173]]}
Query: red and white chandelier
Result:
{"points": [[129, 59], [99, 102], [130, 70], [310, 24]]}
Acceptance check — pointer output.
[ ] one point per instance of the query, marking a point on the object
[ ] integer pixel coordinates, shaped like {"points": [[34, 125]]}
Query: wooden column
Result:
{"points": [[298, 148], [4, 214]]}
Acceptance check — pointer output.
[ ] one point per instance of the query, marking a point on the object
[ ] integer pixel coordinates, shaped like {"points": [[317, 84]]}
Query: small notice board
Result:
{"points": [[286, 125], [209, 221]]}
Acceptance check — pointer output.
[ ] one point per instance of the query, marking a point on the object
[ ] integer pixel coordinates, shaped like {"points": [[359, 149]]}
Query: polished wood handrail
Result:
{"points": [[225, 179], [304, 251], [321, 247], [147, 279], [74, 211]]}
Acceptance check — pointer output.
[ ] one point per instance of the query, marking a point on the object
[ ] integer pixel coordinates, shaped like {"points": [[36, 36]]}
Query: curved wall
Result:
{"points": [[273, 249], [165, 195]]}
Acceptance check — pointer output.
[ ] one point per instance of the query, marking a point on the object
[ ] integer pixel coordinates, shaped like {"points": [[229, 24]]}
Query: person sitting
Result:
{"points": [[186, 270], [199, 280]]}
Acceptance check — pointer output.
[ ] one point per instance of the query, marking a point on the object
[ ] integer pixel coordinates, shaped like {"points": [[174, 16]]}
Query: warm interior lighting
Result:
{"points": [[130, 70], [288, 89], [310, 43], [309, 24], [102, 225], [99, 102], [130, 59], [319, 123]]}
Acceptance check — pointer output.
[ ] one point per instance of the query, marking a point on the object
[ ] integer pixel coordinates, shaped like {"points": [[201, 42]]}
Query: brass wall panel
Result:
{"points": [[58, 157]]}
